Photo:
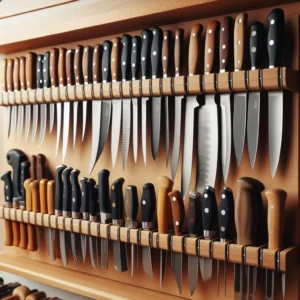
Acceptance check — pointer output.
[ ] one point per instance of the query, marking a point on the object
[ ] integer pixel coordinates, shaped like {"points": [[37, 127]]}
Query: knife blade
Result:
{"points": [[191, 104], [256, 42], [207, 151], [240, 99], [178, 214], [276, 38], [119, 248], [10, 88], [126, 103], [22, 75], [4, 89], [17, 87], [135, 71], [85, 213], [148, 212], [156, 66], [51, 211], [163, 215], [146, 74], [178, 61], [194, 222]]}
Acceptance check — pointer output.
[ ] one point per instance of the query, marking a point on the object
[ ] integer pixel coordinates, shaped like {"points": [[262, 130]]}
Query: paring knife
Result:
{"points": [[240, 99], [126, 103], [178, 60], [178, 214], [276, 39], [148, 207], [17, 87], [119, 248], [191, 104], [10, 88], [156, 65], [51, 211], [4, 89], [207, 150], [276, 214], [23, 88], [85, 213], [163, 215]]}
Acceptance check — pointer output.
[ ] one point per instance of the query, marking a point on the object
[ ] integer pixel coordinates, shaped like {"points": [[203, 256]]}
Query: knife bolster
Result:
{"points": [[58, 212], [147, 225], [93, 218], [66, 214], [105, 218], [76, 215], [119, 222], [208, 234], [85, 216]]}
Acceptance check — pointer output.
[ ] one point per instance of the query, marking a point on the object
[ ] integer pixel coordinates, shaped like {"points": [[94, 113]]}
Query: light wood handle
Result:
{"points": [[12, 297], [9, 74], [62, 76], [51, 197], [9, 238], [16, 74], [194, 49], [32, 238], [210, 46], [115, 59], [23, 236], [23, 72], [4, 71], [178, 211], [43, 196], [54, 67], [276, 213], [28, 194], [36, 296], [16, 233], [35, 195], [240, 35], [21, 291]]}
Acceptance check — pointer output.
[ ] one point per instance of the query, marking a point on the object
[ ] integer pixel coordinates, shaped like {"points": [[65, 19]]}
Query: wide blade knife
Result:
{"points": [[85, 213], [10, 88]]}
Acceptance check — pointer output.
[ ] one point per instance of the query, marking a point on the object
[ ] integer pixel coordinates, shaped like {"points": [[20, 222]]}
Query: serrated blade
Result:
{"points": [[207, 151], [105, 122], [275, 100], [75, 118], [34, 121], [84, 113], [176, 262], [76, 248], [83, 238], [135, 127], [115, 128], [51, 237], [52, 113], [239, 124], [93, 246], [147, 261], [27, 120], [104, 254], [205, 268], [66, 129], [167, 129], [13, 118], [126, 129], [120, 256], [193, 272], [43, 124], [144, 127], [20, 119], [58, 125], [63, 236], [8, 120], [156, 124]]}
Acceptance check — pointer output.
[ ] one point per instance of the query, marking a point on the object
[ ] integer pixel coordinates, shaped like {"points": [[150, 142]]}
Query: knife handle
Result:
{"points": [[148, 206], [212, 32], [67, 191], [28, 193], [9, 238], [146, 53], [23, 236], [131, 204], [70, 67], [115, 59], [135, 57], [30, 70], [97, 55], [46, 70], [179, 51], [276, 37], [276, 214], [25, 174], [103, 192], [256, 42], [78, 65], [240, 33], [41, 167], [33, 167], [54, 57], [59, 189], [16, 233], [163, 204], [33, 188], [16, 75], [4, 72], [87, 64], [166, 53], [106, 61], [23, 72], [84, 198], [43, 196], [125, 57], [117, 199], [194, 216], [93, 203], [226, 214], [35, 195], [156, 52], [8, 188], [9, 74], [178, 211], [209, 212], [76, 191], [194, 49], [225, 46], [51, 197], [39, 71], [61, 70]]}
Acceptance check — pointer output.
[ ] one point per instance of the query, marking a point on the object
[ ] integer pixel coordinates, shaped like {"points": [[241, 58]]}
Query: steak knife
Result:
{"points": [[17, 87], [4, 89], [10, 88], [22, 75]]}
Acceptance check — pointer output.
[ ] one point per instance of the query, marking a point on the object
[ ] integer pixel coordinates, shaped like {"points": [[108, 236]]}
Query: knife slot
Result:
{"points": [[289, 79], [63, 93], [104, 231], [136, 88], [31, 96], [179, 85], [79, 92], [209, 83], [239, 81], [116, 90], [55, 94], [269, 259], [11, 98], [39, 96], [39, 219], [235, 254], [53, 221], [18, 97], [32, 218], [254, 80], [162, 241], [288, 259], [124, 237], [126, 89], [194, 84], [4, 98], [145, 238], [6, 213], [47, 95], [146, 88], [106, 90], [156, 87], [133, 236], [97, 90], [94, 228], [60, 223], [177, 243], [191, 245], [68, 224], [88, 92], [84, 227], [253, 255], [205, 247], [166, 84], [1, 212], [71, 93], [19, 215], [46, 220], [270, 79], [76, 224], [12, 214], [25, 216], [219, 250], [115, 233]]}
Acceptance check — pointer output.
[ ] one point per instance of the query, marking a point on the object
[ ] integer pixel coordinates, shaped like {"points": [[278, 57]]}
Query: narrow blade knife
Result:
{"points": [[4, 89], [51, 211], [17, 87], [85, 213], [10, 88], [22, 75]]}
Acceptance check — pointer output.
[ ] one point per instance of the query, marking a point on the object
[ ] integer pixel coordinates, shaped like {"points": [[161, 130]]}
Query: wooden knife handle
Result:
{"points": [[28, 193], [43, 196], [36, 296], [9, 74], [240, 36], [194, 215], [87, 59], [70, 67], [115, 59], [33, 167], [30, 70], [178, 51], [62, 76], [78, 65], [54, 54], [16, 76], [276, 213], [166, 52], [16, 233], [51, 197], [97, 54], [225, 47], [163, 204], [178, 211], [194, 49], [35, 195], [4, 71], [23, 236], [9, 238], [23, 72], [22, 292], [41, 167]]}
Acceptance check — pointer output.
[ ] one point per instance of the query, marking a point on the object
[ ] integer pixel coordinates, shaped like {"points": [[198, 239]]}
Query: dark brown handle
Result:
{"points": [[97, 54], [240, 35], [178, 51], [17, 74], [86, 64], [41, 167], [115, 59], [4, 71], [178, 212], [225, 48], [9, 74], [54, 54], [166, 52], [70, 67], [23, 72], [78, 65], [33, 167], [62, 76], [30, 70], [43, 196], [194, 49], [51, 197]]}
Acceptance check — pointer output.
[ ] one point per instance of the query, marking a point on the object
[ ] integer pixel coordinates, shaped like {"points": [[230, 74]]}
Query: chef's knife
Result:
{"points": [[10, 88], [4, 89], [17, 87], [191, 104], [85, 213], [51, 211]]}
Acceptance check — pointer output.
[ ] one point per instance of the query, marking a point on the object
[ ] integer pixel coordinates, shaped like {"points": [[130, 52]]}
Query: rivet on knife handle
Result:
{"points": [[240, 34]]}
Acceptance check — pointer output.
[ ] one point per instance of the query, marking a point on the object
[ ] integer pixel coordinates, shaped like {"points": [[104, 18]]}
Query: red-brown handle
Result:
{"points": [[115, 59], [78, 65], [240, 36], [17, 74], [54, 55], [194, 49], [178, 211]]}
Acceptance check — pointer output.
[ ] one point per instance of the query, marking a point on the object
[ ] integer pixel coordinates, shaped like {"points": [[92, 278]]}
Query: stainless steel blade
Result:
{"points": [[93, 245], [66, 129], [115, 128], [167, 129], [43, 122], [20, 119], [275, 100], [27, 120], [163, 261], [192, 272], [253, 125], [225, 277], [218, 277], [73, 247], [250, 283], [187, 160], [76, 248], [58, 126], [52, 113], [104, 254], [239, 124], [84, 113], [63, 246], [283, 284], [83, 239], [126, 120], [8, 120], [135, 127], [147, 261], [105, 122], [75, 118], [205, 268], [240, 286], [226, 133], [156, 124], [120, 256], [51, 237], [176, 262], [144, 127], [132, 246], [207, 150], [270, 279], [13, 118], [34, 121]]}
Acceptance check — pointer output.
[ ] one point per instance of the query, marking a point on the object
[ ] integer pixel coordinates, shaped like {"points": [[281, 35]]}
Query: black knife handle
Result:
{"points": [[156, 52], [226, 214], [46, 70], [148, 204], [67, 190], [256, 44], [92, 193], [8, 188], [103, 182], [106, 61], [59, 189], [131, 203], [117, 199], [146, 52], [84, 197], [135, 57], [25, 174], [125, 57], [39, 71], [276, 37], [76, 191], [194, 216], [209, 212]]}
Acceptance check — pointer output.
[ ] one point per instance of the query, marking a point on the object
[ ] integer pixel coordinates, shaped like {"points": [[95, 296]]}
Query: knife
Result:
{"points": [[148, 211], [17, 87], [22, 75], [10, 88], [194, 222], [105, 211], [119, 248], [156, 65], [276, 38], [178, 61], [131, 207], [126, 103], [146, 74], [96, 108], [4, 89], [209, 217], [207, 151], [135, 72], [163, 214], [191, 104], [256, 54], [85, 213], [51, 211], [225, 51], [116, 103], [178, 214], [276, 214], [76, 214], [240, 99]]}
